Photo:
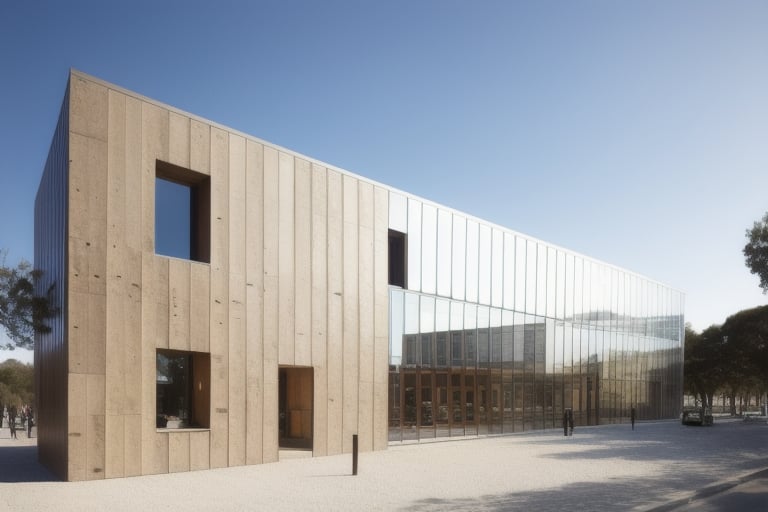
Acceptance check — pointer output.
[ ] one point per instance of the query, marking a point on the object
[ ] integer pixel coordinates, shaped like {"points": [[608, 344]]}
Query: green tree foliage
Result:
{"points": [[703, 372], [16, 383], [756, 251], [22, 313], [730, 359]]}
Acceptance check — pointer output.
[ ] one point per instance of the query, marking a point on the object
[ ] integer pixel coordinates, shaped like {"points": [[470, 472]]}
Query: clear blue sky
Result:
{"points": [[633, 132]]}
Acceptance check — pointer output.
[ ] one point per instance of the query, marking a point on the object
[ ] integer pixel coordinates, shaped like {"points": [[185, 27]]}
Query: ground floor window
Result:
{"points": [[183, 389]]}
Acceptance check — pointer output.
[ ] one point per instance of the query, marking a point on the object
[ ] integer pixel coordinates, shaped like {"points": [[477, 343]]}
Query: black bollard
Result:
{"points": [[354, 454]]}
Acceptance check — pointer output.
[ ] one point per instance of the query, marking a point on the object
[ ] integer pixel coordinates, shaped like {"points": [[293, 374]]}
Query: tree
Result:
{"points": [[703, 372], [756, 251], [16, 383], [22, 313]]}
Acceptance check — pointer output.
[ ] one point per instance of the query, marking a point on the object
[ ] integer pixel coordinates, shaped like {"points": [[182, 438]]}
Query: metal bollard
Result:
{"points": [[354, 454]]}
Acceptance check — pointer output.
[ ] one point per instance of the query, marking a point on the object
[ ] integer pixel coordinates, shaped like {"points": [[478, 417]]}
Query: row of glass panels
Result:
{"points": [[462, 369], [453, 256]]}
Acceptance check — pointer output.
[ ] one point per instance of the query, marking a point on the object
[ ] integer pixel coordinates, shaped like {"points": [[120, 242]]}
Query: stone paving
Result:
{"points": [[602, 468]]}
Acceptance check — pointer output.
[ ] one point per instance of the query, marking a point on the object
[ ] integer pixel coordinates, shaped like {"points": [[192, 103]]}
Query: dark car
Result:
{"points": [[697, 416]]}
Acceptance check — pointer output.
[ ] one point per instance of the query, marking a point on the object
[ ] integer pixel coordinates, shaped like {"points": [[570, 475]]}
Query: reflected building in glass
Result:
{"points": [[493, 332]]}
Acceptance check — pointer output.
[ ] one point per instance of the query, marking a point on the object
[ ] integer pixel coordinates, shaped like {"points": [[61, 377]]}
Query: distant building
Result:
{"points": [[222, 297]]}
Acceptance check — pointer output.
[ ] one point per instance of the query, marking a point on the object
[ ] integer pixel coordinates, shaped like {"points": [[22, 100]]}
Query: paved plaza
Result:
{"points": [[603, 468]]}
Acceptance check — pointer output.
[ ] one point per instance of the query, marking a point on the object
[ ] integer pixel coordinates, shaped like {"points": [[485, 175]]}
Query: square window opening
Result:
{"points": [[183, 395], [182, 213]]}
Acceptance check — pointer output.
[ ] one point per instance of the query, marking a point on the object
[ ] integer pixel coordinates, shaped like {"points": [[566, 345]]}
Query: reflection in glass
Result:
{"points": [[530, 279], [428, 248], [578, 280], [398, 212], [444, 248], [520, 273], [472, 263], [414, 245], [497, 268], [509, 271], [484, 266], [396, 326], [541, 280], [459, 254]]}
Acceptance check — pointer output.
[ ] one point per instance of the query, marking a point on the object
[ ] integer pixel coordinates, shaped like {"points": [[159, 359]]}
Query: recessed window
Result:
{"points": [[183, 389], [397, 251], [182, 213]]}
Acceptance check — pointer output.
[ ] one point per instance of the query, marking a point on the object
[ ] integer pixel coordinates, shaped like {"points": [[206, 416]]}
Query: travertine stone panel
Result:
{"points": [[133, 174], [179, 138], [199, 307], [271, 292], [286, 262], [88, 108], [76, 452], [95, 394], [237, 313], [303, 249], [199, 450], [319, 244], [116, 267], [97, 332], [254, 272], [133, 444], [381, 318], [96, 238], [133, 332], [351, 330], [114, 446], [179, 290], [366, 306], [154, 147], [78, 332], [78, 265], [178, 451], [200, 147], [219, 341], [335, 313], [94, 446]]}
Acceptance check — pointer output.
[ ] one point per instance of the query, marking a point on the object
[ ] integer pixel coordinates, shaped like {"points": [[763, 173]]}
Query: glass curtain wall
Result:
{"points": [[497, 333]]}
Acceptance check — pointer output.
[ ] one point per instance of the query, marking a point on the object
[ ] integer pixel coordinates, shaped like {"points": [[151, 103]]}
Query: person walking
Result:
{"points": [[30, 423], [12, 421], [632, 417]]}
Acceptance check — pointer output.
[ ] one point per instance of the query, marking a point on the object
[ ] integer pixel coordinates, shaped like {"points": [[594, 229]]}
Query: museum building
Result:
{"points": [[222, 298]]}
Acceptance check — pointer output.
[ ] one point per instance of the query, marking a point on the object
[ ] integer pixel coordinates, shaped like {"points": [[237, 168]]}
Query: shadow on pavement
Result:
{"points": [[19, 464]]}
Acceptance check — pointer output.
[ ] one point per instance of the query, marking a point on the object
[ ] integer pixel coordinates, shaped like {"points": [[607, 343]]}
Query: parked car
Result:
{"points": [[697, 416]]}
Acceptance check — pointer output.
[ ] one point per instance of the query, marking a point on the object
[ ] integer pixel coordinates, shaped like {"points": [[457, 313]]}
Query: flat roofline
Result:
{"points": [[79, 74]]}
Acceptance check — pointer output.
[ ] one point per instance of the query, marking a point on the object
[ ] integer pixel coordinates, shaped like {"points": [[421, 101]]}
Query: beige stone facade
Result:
{"points": [[296, 278]]}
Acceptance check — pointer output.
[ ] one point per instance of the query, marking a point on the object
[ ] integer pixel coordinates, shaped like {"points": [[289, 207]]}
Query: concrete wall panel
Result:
{"points": [[335, 347], [271, 300], [366, 316], [178, 452], [319, 298], [351, 312], [303, 263], [286, 261]]}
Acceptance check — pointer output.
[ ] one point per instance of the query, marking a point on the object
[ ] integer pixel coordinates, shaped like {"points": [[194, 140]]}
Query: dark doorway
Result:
{"points": [[295, 407]]}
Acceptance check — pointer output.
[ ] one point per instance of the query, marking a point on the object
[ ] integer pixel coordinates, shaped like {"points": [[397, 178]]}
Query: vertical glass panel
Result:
{"points": [[470, 335], [457, 334], [396, 327], [484, 266], [496, 355], [587, 292], [428, 248], [520, 253], [427, 316], [411, 354], [578, 280], [530, 279], [560, 298], [551, 281], [497, 268], [549, 363], [414, 245], [509, 271], [569, 287], [541, 280], [398, 212], [507, 341], [442, 315], [483, 336], [444, 248], [459, 260], [472, 255]]}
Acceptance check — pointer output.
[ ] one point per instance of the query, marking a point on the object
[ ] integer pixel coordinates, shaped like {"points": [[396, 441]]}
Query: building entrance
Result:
{"points": [[296, 398]]}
